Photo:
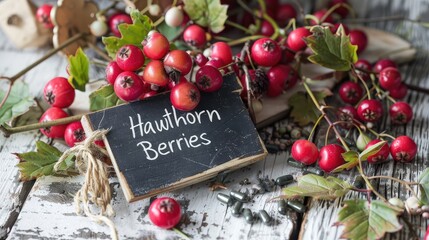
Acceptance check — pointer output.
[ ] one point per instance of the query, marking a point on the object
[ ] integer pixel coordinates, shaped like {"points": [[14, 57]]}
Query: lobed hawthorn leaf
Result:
{"points": [[18, 102], [207, 13], [318, 187], [333, 51], [303, 109], [79, 70], [130, 33], [363, 220], [41, 163], [424, 187], [102, 98]]}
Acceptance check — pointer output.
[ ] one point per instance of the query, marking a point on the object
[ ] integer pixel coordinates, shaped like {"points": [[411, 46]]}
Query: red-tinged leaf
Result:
{"points": [[363, 220]]}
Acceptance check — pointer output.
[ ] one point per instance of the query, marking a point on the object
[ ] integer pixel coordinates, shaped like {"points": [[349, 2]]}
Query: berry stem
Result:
{"points": [[362, 81], [238, 26], [182, 234], [244, 39], [322, 111], [368, 184], [313, 130], [405, 183], [99, 51], [11, 130]]}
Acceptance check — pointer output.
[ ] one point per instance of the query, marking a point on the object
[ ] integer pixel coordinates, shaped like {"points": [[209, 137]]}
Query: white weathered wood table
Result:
{"points": [[47, 211]]}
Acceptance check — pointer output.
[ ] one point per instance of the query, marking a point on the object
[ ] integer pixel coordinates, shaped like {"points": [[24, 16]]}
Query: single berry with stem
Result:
{"points": [[350, 92], [370, 110], [381, 155], [154, 73], [128, 86], [208, 79], [400, 113], [295, 39], [165, 212], [195, 36], [74, 133], [359, 38], [330, 157], [265, 52], [364, 65], [112, 72], [403, 149], [51, 114], [185, 96], [266, 29], [305, 151], [155, 46], [342, 11], [389, 78], [129, 58], [59, 93]]}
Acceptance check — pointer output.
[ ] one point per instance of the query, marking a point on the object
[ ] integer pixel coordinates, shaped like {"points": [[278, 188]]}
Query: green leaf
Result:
{"points": [[424, 187], [103, 97], [41, 163], [318, 187], [303, 109], [371, 150], [18, 102], [363, 220], [169, 32], [350, 156], [79, 70], [207, 13], [130, 33], [330, 50]]}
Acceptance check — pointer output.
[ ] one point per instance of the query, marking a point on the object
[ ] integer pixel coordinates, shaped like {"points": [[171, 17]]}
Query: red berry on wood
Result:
{"points": [[330, 157], [165, 212], [350, 92], [305, 151], [403, 149], [51, 114], [400, 113], [59, 93], [74, 133], [129, 58]]}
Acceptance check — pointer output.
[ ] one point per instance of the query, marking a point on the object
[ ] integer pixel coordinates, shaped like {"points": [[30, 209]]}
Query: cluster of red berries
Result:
{"points": [[402, 149], [134, 79], [60, 94]]}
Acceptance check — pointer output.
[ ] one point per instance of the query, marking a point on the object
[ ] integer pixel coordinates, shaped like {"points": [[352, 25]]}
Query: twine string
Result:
{"points": [[96, 187]]}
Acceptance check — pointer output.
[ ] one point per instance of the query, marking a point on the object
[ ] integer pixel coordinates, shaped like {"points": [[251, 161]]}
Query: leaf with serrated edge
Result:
{"points": [[318, 187], [207, 13], [41, 163], [371, 150], [130, 33], [303, 109], [17, 103], [424, 187], [363, 220], [330, 50], [102, 98], [79, 70]]}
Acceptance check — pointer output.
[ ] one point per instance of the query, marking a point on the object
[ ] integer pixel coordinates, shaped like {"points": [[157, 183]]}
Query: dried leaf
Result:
{"points": [[364, 220], [303, 109], [207, 13], [330, 50], [41, 163], [130, 33], [17, 103], [79, 70], [102, 98], [318, 187]]}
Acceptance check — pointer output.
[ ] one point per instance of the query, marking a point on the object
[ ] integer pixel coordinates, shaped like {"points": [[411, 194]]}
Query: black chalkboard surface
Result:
{"points": [[156, 148]]}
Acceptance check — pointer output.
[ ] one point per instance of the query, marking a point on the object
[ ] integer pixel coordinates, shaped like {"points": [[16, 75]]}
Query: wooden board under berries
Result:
{"points": [[156, 148], [381, 44]]}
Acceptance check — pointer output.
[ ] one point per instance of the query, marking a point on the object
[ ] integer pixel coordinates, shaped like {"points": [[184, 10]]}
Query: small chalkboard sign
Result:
{"points": [[156, 148]]}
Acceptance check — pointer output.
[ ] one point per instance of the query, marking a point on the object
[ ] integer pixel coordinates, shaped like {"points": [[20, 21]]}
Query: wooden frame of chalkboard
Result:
{"points": [[155, 148]]}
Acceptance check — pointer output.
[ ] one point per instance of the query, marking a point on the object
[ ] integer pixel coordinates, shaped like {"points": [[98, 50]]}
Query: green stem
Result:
{"points": [[405, 183], [238, 26], [368, 184], [11, 130], [223, 39], [362, 81], [99, 51], [180, 233], [310, 136], [244, 39], [316, 103]]}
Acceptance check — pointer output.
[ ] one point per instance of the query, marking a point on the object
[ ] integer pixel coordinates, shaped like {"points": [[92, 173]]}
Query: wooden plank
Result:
{"points": [[206, 218]]}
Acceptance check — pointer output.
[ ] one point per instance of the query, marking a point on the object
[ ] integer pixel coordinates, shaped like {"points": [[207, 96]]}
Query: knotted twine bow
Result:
{"points": [[96, 188]]}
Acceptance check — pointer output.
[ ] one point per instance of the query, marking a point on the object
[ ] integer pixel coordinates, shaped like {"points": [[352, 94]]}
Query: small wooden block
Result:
{"points": [[155, 148]]}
